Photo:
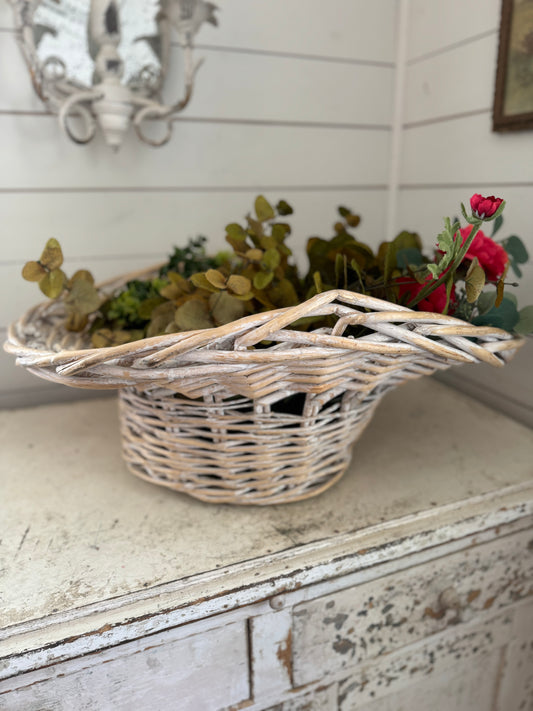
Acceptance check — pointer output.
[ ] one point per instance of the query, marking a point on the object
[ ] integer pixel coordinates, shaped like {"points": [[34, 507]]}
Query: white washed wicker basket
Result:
{"points": [[210, 414]]}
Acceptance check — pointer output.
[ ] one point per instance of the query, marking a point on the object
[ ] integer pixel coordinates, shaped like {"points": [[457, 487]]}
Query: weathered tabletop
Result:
{"points": [[76, 528]]}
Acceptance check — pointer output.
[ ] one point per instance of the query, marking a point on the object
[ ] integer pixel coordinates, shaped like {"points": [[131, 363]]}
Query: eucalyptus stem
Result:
{"points": [[450, 271]]}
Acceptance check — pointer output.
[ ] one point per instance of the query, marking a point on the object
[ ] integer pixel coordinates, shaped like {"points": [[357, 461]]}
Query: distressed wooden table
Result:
{"points": [[407, 585]]}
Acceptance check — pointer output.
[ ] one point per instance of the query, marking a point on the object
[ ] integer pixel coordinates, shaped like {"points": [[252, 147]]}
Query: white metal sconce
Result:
{"points": [[103, 62]]}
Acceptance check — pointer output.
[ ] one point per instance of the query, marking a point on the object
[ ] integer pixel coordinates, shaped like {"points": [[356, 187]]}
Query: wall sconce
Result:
{"points": [[103, 62]]}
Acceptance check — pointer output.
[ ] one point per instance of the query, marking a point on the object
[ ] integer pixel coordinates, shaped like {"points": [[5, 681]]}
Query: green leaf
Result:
{"points": [[318, 282], [486, 301], [514, 266], [226, 308], [193, 315], [200, 280], [474, 281], [33, 271], [240, 285], [271, 260], [235, 231], [525, 322], [284, 294], [284, 208], [83, 298], [344, 211], [407, 256], [516, 249], [280, 230], [147, 307], [53, 283], [81, 274], [353, 220], [52, 256], [505, 316], [498, 222], [263, 209], [215, 278], [262, 279]]}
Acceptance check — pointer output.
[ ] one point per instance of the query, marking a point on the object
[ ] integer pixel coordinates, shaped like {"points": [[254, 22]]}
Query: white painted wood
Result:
{"points": [[252, 87], [465, 151], [470, 689], [345, 29], [200, 673], [350, 627], [271, 650], [435, 25], [516, 688], [319, 700], [417, 673], [200, 154], [452, 83]]}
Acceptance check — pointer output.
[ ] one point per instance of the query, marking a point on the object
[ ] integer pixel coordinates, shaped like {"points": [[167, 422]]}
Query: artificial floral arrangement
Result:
{"points": [[464, 277], [244, 381]]}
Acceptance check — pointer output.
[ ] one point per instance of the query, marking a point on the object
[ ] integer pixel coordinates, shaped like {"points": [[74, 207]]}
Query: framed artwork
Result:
{"points": [[513, 97]]}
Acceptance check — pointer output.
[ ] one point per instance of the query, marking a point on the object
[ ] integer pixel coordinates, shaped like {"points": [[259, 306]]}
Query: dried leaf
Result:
{"points": [[76, 322], [33, 271], [200, 280], [83, 298], [254, 255], [263, 209], [193, 315], [215, 278], [226, 308], [240, 285], [81, 274], [52, 256], [53, 283], [474, 281]]}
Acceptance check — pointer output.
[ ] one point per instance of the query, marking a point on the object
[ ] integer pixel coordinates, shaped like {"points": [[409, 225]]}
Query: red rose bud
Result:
{"points": [[484, 207]]}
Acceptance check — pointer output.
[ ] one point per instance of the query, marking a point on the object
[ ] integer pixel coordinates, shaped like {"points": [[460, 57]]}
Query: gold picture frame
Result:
{"points": [[513, 97]]}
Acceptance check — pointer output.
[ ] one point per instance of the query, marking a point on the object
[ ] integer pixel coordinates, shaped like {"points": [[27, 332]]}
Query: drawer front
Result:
{"points": [[203, 672], [350, 626]]}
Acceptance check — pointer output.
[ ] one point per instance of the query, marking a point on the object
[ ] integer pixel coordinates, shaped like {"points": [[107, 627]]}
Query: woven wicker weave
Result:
{"points": [[208, 413]]}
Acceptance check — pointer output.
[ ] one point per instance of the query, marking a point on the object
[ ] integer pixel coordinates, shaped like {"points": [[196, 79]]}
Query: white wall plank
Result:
{"points": [[449, 83], [199, 154], [465, 151], [253, 86], [434, 25], [351, 29]]}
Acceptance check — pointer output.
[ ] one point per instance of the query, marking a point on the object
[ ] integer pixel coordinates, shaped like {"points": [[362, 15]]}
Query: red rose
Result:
{"points": [[484, 207], [434, 302], [492, 257]]}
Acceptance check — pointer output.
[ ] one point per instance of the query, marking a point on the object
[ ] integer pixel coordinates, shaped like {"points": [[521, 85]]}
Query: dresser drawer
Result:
{"points": [[202, 672], [347, 627]]}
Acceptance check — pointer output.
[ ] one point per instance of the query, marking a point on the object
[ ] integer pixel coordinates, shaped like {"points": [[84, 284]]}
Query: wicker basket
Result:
{"points": [[210, 414]]}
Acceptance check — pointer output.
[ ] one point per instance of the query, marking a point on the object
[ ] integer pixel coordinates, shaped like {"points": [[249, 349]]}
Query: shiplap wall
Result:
{"points": [[448, 152], [294, 100]]}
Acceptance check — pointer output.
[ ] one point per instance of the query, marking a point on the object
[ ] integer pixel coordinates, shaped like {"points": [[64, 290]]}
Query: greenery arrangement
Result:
{"points": [[464, 277]]}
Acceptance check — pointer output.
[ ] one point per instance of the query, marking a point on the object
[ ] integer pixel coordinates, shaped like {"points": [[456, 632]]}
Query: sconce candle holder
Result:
{"points": [[103, 63]]}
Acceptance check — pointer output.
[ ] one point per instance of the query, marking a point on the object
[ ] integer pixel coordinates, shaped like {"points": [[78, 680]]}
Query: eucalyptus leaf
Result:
{"points": [[263, 209], [525, 322], [284, 208], [474, 281], [200, 280], [53, 283], [33, 271], [52, 256], [407, 256], [486, 301], [516, 249], [240, 285], [254, 255], [235, 231], [504, 316], [215, 278], [263, 279], [226, 308], [193, 315], [271, 259], [82, 274], [83, 298], [497, 224]]}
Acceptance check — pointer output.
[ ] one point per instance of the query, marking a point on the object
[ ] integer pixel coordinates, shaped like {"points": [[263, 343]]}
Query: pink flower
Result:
{"points": [[492, 257], [434, 302], [484, 207]]}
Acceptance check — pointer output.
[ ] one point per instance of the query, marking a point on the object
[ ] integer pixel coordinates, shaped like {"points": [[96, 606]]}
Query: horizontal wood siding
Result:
{"points": [[286, 104], [449, 152]]}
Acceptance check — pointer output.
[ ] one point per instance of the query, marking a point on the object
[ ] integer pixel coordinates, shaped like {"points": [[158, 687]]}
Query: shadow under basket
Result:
{"points": [[256, 411]]}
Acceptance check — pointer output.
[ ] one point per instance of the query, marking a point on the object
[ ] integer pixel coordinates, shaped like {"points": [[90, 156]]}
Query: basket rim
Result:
{"points": [[395, 330]]}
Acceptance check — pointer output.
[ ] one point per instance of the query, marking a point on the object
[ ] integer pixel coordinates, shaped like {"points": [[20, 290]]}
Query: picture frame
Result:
{"points": [[513, 95]]}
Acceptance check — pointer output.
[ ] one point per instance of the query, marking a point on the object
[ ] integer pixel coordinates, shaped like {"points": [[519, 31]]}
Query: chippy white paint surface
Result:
{"points": [[226, 607]]}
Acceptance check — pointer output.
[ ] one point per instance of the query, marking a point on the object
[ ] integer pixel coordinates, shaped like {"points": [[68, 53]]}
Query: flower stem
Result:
{"points": [[450, 271]]}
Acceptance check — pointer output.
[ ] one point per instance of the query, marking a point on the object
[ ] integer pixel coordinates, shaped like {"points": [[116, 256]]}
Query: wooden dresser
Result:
{"points": [[408, 585]]}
